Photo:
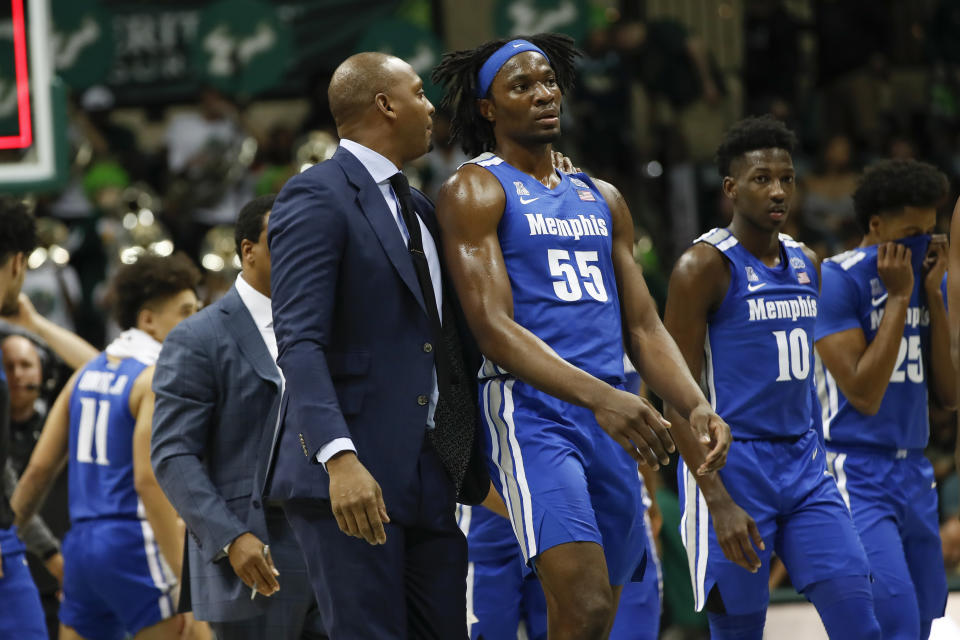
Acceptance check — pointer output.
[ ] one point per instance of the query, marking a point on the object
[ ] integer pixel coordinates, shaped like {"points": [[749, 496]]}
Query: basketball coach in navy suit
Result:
{"points": [[217, 396], [378, 436]]}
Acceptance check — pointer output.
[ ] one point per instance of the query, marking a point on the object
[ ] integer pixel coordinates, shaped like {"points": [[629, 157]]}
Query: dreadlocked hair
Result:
{"points": [[457, 74]]}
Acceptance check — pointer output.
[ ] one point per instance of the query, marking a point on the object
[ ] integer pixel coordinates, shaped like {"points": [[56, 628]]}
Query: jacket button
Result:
{"points": [[427, 347], [256, 504], [422, 400]]}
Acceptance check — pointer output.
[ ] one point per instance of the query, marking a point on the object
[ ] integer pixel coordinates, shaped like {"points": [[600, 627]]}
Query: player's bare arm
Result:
{"points": [[953, 302], [469, 207], [161, 515], [943, 377], [953, 289], [654, 353], [48, 459], [862, 370], [73, 349], [698, 285]]}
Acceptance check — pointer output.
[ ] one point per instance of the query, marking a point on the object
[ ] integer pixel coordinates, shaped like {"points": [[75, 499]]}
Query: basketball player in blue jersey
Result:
{"points": [[125, 536], [742, 306], [883, 337], [953, 308], [21, 614], [505, 600], [543, 264]]}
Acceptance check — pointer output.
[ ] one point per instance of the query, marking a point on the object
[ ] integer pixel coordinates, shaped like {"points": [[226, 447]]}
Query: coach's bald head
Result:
{"points": [[377, 100], [356, 83]]}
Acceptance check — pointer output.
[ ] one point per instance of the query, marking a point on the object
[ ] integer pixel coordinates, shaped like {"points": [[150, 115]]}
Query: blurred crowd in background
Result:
{"points": [[658, 84]]}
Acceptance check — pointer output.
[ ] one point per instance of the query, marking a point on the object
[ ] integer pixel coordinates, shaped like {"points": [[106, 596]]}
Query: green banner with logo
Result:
{"points": [[415, 44], [529, 17], [82, 42], [164, 51], [242, 47]]}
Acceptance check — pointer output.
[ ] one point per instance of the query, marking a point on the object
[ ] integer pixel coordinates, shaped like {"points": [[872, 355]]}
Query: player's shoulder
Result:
{"points": [[702, 267], [790, 243], [851, 261], [479, 168], [473, 185], [606, 189], [144, 380], [699, 259]]}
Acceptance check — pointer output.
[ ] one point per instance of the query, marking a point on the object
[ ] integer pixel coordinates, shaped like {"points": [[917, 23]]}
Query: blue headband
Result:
{"points": [[499, 58]]}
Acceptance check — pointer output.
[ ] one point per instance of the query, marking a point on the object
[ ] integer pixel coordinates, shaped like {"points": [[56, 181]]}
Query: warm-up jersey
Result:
{"points": [[758, 353], [854, 297], [101, 441], [556, 245]]}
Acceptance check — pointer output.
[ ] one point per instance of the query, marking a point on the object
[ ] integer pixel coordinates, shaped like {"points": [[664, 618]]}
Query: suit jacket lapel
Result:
{"points": [[371, 202], [244, 331]]}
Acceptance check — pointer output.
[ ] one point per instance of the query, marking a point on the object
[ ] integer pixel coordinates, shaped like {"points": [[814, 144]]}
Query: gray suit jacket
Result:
{"points": [[217, 397]]}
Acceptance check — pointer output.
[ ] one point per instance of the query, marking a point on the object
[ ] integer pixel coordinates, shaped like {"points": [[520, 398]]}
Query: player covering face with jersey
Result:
{"points": [[883, 339]]}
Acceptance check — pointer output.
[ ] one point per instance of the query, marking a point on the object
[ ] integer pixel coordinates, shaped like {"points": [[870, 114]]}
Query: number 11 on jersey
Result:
{"points": [[94, 418]]}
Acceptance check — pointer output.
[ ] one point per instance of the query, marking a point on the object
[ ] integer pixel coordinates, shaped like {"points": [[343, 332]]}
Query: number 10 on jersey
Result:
{"points": [[793, 351]]}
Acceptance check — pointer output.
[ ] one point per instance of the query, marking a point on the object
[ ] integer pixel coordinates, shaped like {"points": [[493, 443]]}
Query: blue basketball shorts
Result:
{"points": [[562, 477], [114, 580], [504, 597], [892, 495], [638, 615], [505, 600], [21, 614], [785, 487]]}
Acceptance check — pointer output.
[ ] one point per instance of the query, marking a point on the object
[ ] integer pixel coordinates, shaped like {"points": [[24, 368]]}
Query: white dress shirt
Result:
{"points": [[381, 169], [262, 311]]}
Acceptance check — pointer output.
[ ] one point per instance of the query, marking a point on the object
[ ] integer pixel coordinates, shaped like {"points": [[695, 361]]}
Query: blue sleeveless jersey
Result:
{"points": [[101, 441], [855, 297], [556, 245], [758, 353]]}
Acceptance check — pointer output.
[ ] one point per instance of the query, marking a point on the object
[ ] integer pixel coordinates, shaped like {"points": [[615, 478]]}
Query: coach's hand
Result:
{"points": [[252, 565], [563, 163], [896, 272], [711, 428], [737, 533], [356, 499], [636, 426]]}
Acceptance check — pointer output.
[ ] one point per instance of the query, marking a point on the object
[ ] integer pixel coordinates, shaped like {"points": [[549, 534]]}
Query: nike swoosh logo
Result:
{"points": [[517, 45], [754, 287], [522, 201], [877, 301]]}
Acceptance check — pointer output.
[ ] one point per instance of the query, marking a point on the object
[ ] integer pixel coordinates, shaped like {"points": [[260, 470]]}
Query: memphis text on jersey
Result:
{"points": [[582, 225], [916, 317], [792, 308]]}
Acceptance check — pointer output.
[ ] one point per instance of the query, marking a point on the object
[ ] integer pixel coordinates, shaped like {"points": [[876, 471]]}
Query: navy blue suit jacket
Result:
{"points": [[217, 397], [353, 335]]}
